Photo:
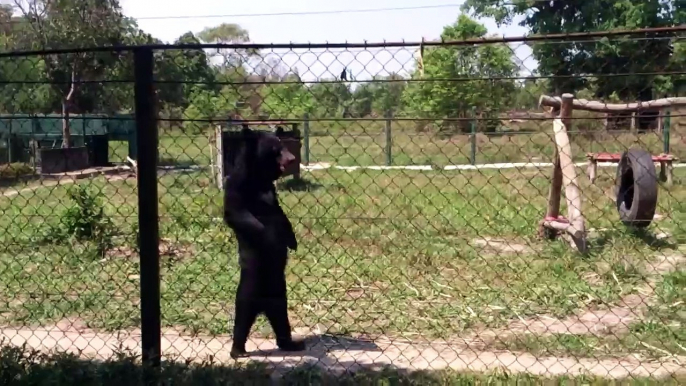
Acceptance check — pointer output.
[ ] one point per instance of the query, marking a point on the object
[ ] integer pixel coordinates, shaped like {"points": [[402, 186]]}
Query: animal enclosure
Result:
{"points": [[417, 224]]}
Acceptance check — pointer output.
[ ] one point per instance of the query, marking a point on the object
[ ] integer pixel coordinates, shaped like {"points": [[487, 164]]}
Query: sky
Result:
{"points": [[169, 19]]}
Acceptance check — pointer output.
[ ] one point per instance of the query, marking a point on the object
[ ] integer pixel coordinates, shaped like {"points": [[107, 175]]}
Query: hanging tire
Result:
{"points": [[637, 187]]}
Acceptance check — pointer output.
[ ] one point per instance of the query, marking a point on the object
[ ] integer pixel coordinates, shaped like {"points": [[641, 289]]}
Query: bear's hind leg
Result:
{"points": [[246, 314], [247, 308], [276, 311]]}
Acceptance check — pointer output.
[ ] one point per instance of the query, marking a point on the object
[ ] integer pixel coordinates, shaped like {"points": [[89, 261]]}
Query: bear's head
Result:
{"points": [[263, 155]]}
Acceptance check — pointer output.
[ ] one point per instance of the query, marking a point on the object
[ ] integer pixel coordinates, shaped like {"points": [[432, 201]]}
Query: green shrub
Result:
{"points": [[15, 170], [85, 220]]}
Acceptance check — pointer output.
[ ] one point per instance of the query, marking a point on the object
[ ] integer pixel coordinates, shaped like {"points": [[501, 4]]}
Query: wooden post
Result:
{"points": [[666, 168], [555, 193], [560, 127], [669, 171], [564, 173], [569, 179], [592, 168], [220, 159]]}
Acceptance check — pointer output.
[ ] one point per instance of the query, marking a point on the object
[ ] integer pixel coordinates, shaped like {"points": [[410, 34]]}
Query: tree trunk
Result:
{"points": [[66, 104], [66, 131]]}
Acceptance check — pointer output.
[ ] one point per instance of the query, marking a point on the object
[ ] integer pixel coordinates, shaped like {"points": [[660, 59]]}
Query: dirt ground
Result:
{"points": [[336, 354]]}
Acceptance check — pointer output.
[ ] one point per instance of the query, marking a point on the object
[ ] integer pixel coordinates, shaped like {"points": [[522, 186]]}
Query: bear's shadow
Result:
{"points": [[318, 346]]}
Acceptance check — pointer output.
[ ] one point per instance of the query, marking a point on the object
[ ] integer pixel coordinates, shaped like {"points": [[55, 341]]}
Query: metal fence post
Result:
{"points": [[10, 145], [472, 137], [389, 139], [306, 138], [34, 143], [665, 132], [148, 226]]}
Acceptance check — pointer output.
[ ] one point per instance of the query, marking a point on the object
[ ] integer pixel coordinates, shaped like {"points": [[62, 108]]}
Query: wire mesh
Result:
{"points": [[424, 176]]}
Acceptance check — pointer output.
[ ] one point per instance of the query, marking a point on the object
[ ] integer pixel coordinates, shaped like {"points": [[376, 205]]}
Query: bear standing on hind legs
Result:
{"points": [[264, 234]]}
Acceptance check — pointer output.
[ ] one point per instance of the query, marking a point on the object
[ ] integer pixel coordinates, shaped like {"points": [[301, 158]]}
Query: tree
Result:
{"points": [[25, 89], [228, 33], [363, 99], [232, 68], [118, 96], [388, 93], [73, 24], [528, 92], [674, 84], [576, 65], [381, 95], [677, 83], [288, 98], [451, 93], [330, 99], [182, 71], [6, 22], [206, 106]]}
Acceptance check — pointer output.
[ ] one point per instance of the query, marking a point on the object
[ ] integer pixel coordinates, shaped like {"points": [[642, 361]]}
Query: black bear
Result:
{"points": [[264, 234]]}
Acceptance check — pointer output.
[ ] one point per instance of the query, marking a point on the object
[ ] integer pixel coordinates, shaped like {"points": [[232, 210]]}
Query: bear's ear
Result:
{"points": [[279, 130], [248, 138], [246, 132]]}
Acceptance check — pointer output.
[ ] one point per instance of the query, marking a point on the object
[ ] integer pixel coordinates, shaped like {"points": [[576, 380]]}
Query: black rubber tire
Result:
{"points": [[637, 187]]}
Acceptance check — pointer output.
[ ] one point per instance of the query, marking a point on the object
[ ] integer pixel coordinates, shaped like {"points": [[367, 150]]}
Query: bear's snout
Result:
{"points": [[287, 157]]}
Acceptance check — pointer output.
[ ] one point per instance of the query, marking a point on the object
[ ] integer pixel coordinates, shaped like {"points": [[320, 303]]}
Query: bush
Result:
{"points": [[85, 220], [15, 170]]}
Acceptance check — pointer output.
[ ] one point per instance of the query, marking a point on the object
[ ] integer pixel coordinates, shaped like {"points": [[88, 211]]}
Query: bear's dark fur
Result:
{"points": [[264, 234]]}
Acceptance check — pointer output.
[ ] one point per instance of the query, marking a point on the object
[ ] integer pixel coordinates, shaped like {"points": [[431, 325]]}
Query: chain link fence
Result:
{"points": [[426, 206]]}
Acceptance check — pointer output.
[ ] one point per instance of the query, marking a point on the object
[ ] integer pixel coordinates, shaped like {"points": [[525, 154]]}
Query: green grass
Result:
{"points": [[381, 252], [364, 143], [654, 339], [661, 334], [366, 146], [176, 148], [22, 367]]}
